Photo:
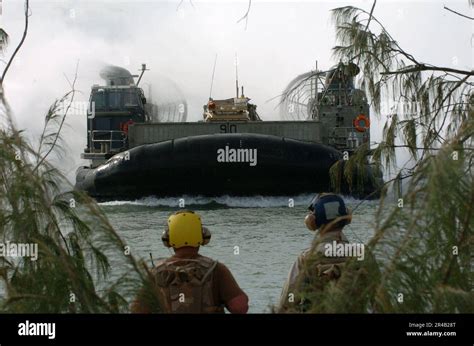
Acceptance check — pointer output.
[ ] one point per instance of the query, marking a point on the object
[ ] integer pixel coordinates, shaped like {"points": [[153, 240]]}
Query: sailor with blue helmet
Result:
{"points": [[328, 215]]}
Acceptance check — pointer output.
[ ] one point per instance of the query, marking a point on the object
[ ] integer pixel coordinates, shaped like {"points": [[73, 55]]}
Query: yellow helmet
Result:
{"points": [[184, 228]]}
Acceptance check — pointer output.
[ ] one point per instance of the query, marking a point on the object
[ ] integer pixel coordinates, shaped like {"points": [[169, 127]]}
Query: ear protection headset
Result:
{"points": [[184, 228], [327, 207]]}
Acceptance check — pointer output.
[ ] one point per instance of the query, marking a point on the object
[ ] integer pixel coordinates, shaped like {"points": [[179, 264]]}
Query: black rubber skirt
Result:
{"points": [[212, 165]]}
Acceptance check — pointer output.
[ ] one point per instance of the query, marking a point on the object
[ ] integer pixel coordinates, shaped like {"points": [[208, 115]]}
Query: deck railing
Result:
{"points": [[109, 140]]}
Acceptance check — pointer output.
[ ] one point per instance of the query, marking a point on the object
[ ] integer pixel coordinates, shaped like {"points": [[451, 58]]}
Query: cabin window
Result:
{"points": [[99, 100], [130, 99], [114, 100]]}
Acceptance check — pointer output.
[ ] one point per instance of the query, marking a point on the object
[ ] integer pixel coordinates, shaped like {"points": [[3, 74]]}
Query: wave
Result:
{"points": [[224, 201]]}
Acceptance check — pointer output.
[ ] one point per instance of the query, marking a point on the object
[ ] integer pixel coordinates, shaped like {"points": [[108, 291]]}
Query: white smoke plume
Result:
{"points": [[179, 40]]}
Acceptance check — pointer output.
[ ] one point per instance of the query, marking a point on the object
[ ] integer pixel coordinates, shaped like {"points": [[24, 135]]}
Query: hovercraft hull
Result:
{"points": [[235, 164]]}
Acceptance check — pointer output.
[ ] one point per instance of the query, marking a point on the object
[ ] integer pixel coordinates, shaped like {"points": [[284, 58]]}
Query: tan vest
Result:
{"points": [[186, 285], [326, 268], [330, 267]]}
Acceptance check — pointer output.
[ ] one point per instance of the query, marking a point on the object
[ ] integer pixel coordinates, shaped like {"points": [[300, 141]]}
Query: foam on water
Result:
{"points": [[225, 200]]}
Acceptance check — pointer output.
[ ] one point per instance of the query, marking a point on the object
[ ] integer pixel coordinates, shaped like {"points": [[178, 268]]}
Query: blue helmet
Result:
{"points": [[327, 207]]}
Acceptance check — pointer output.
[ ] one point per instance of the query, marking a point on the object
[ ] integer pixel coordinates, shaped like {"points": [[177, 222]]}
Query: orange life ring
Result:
{"points": [[357, 123]]}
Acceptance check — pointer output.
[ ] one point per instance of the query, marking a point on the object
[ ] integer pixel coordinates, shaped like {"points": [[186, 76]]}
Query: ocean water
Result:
{"points": [[257, 238]]}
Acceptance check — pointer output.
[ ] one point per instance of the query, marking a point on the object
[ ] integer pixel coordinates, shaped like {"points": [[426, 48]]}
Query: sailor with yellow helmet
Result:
{"points": [[188, 282]]}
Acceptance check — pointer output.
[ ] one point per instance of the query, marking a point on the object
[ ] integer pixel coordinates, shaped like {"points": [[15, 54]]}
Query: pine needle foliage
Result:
{"points": [[73, 272], [82, 265], [420, 259]]}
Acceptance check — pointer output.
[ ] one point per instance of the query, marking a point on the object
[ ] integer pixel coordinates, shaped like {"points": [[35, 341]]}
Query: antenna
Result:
{"points": [[212, 80], [236, 75], [141, 75]]}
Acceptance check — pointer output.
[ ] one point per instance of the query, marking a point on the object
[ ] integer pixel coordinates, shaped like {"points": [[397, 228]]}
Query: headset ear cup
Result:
{"points": [[165, 237], [310, 222], [206, 236], [349, 216]]}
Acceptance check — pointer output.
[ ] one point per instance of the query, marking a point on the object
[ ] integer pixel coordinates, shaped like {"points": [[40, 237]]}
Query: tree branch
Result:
{"points": [[368, 23], [27, 7], [423, 67], [459, 14], [72, 92], [246, 15]]}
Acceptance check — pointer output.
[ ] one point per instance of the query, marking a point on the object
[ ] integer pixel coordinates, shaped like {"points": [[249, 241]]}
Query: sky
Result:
{"points": [[179, 42]]}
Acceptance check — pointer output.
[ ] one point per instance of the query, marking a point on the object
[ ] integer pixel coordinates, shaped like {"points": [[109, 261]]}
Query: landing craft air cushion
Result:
{"points": [[134, 154]]}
